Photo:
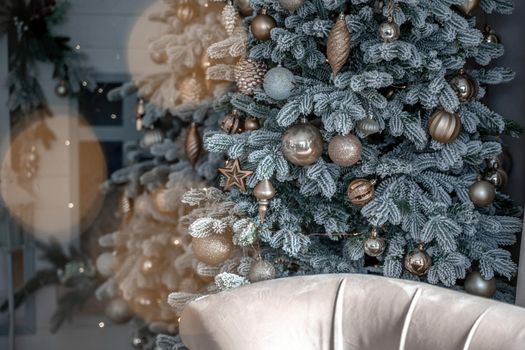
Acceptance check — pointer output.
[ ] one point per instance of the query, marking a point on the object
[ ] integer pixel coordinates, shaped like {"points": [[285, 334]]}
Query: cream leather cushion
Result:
{"points": [[350, 312]]}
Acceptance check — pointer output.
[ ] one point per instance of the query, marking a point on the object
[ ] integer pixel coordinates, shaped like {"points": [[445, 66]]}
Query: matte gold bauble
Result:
{"points": [[213, 250], [389, 31], [251, 124], [475, 284], [444, 127], [184, 11], [118, 311], [159, 57], [193, 144], [338, 45], [302, 144], [244, 7], [469, 6], [417, 262], [361, 191], [465, 87], [262, 26], [375, 245], [261, 270], [264, 192], [345, 150], [482, 193], [231, 123]]}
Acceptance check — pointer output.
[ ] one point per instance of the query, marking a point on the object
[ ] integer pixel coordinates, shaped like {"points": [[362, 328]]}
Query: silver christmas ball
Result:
{"points": [[152, 137], [117, 310], [368, 126], [261, 270], [465, 87], [345, 150], [475, 284], [482, 193], [375, 245], [291, 5], [389, 31], [105, 264], [497, 177], [417, 262], [302, 144], [279, 83]]}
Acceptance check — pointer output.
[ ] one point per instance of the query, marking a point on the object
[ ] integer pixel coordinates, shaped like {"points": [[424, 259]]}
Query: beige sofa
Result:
{"points": [[350, 312]]}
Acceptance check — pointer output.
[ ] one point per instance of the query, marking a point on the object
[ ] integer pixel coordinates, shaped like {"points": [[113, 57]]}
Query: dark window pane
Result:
{"points": [[95, 107]]}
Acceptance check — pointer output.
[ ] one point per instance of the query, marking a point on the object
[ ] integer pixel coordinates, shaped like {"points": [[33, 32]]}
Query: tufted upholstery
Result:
{"points": [[350, 312]]}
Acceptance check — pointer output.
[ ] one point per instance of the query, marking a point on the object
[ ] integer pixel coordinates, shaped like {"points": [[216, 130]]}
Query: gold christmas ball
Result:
{"points": [[375, 245], [345, 150], [261, 270], [213, 250], [262, 26], [482, 193], [184, 11], [417, 262], [465, 87], [231, 123], [444, 127], [149, 265], [302, 144], [118, 311], [389, 31], [159, 57], [361, 191], [291, 5], [497, 177], [469, 6], [251, 124], [475, 284]]}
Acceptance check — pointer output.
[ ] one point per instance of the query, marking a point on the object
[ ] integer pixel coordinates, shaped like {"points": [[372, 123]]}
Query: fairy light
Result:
{"points": [[113, 116], [77, 47], [101, 325], [71, 205], [67, 142]]}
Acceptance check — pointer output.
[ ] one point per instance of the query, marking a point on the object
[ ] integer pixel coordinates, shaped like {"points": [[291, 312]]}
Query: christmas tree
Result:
{"points": [[372, 150]]}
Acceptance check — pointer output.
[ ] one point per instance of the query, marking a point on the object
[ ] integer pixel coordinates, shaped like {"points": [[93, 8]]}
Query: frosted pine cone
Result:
{"points": [[229, 17], [191, 90], [249, 75]]}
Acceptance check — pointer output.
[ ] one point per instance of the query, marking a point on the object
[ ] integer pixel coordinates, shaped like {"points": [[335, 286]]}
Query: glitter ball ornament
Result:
{"points": [[469, 6], [264, 192], [62, 89], [361, 191], [212, 250], [231, 123], [444, 127], [191, 90], [375, 245], [465, 86], [389, 31], [117, 310], [279, 83], [291, 5], [345, 150], [490, 36], [302, 144], [417, 262], [368, 126], [261, 270], [229, 17], [193, 144], [262, 25], [482, 193], [105, 264], [151, 137], [184, 11], [251, 124], [475, 284], [249, 75], [338, 45]]}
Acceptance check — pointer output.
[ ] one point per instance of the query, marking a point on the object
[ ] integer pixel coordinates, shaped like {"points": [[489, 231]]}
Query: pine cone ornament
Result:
{"points": [[191, 90], [249, 75], [229, 17], [338, 46]]}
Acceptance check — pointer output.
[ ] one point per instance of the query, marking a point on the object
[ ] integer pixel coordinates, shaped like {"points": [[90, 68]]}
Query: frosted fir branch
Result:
{"points": [[226, 281]]}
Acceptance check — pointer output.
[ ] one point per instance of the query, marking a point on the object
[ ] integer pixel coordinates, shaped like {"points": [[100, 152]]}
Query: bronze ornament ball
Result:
{"points": [[184, 11], [262, 26], [482, 193], [465, 87], [261, 270], [444, 127], [302, 144], [497, 177], [345, 150], [231, 123], [361, 191], [212, 250], [475, 284], [417, 262], [251, 124], [375, 245]]}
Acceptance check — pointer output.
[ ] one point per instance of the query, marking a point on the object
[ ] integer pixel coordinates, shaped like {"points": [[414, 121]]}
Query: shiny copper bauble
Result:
{"points": [[444, 127], [262, 26], [302, 144], [361, 191]]}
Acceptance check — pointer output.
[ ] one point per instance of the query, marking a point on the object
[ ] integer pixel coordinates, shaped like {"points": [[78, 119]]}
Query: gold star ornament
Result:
{"points": [[235, 176]]}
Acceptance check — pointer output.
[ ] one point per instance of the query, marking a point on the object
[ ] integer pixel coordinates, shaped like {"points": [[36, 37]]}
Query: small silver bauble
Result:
{"points": [[279, 83], [497, 177], [475, 284], [482, 193], [261, 270], [375, 245], [368, 126], [291, 5], [465, 87], [345, 150], [117, 310], [105, 264], [302, 144], [389, 31]]}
